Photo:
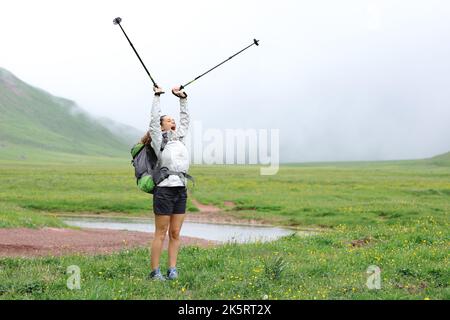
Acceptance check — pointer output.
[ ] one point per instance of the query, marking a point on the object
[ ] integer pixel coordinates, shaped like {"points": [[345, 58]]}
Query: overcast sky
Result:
{"points": [[342, 80]]}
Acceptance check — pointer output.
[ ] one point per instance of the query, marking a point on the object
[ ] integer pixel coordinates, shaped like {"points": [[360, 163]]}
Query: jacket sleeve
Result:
{"points": [[155, 126], [184, 120]]}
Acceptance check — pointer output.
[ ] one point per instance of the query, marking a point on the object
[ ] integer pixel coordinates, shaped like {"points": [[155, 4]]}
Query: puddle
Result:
{"points": [[208, 231]]}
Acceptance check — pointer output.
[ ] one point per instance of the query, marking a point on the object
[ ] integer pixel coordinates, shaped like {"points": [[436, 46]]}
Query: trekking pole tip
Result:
{"points": [[117, 20], [256, 42]]}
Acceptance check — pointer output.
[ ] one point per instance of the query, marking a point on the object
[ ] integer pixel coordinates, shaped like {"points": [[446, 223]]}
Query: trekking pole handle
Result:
{"points": [[181, 88]]}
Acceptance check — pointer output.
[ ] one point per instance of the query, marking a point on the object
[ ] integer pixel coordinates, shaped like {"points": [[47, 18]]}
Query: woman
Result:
{"points": [[169, 197]]}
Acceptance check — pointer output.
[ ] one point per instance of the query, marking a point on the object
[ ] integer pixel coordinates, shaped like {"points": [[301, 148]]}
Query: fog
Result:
{"points": [[341, 80]]}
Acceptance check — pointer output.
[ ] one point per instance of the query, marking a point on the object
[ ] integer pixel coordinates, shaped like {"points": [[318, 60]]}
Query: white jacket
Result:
{"points": [[175, 155]]}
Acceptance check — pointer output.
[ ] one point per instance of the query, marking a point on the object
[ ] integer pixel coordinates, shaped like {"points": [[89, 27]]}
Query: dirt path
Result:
{"points": [[213, 214], [24, 242]]}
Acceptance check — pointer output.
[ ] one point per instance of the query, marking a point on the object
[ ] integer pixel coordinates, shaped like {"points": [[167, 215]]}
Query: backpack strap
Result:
{"points": [[164, 141], [182, 175], [162, 173]]}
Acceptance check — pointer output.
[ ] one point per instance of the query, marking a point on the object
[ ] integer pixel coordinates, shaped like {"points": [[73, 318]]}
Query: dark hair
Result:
{"points": [[146, 139]]}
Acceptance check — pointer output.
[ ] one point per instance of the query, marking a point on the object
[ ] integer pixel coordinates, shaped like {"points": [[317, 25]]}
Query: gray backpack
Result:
{"points": [[146, 170]]}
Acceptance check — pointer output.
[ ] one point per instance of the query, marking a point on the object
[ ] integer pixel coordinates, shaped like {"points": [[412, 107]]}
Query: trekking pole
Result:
{"points": [[118, 20], [255, 42]]}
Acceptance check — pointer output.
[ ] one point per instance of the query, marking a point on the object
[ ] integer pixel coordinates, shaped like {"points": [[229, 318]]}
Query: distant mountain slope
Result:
{"points": [[442, 159], [32, 118]]}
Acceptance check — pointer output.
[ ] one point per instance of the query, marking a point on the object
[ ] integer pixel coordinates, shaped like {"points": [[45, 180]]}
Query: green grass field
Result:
{"points": [[394, 215]]}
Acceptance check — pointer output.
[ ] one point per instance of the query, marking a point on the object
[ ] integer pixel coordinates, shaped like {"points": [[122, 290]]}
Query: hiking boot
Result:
{"points": [[156, 275], [172, 273]]}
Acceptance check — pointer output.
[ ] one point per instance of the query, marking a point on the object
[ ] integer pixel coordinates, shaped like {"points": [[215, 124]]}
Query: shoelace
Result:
{"points": [[172, 271]]}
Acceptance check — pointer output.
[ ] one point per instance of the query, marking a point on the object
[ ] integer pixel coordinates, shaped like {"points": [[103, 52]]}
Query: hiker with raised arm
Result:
{"points": [[167, 140]]}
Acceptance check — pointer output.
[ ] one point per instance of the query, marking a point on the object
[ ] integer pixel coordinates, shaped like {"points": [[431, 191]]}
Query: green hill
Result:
{"points": [[442, 159], [35, 123]]}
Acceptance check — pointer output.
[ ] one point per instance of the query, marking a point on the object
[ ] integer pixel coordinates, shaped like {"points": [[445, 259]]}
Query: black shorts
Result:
{"points": [[168, 200]]}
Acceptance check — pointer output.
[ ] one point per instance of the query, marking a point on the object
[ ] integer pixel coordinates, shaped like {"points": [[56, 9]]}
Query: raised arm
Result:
{"points": [[184, 119], [155, 126], [184, 113]]}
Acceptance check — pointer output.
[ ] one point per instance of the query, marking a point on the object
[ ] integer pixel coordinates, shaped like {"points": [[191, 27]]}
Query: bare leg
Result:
{"points": [[161, 226], [176, 221]]}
